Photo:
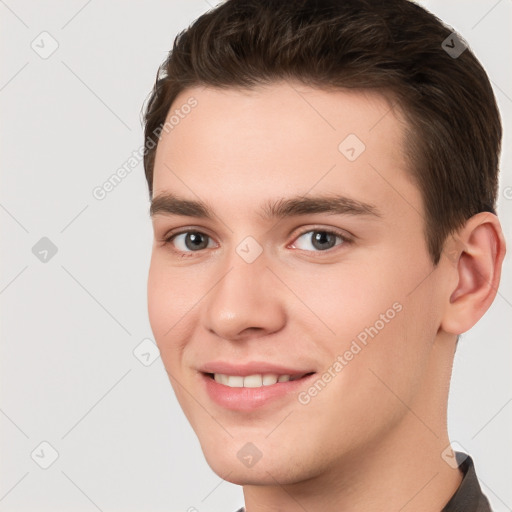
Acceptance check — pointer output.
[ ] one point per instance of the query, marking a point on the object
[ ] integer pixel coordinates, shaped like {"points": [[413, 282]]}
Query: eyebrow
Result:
{"points": [[170, 204]]}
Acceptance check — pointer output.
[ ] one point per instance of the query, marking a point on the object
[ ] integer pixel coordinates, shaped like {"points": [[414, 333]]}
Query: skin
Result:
{"points": [[371, 439]]}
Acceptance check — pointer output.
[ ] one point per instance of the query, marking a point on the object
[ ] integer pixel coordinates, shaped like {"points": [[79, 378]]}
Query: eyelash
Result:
{"points": [[345, 240]]}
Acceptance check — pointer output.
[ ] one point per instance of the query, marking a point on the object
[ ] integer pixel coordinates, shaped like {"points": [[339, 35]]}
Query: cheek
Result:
{"points": [[159, 300], [345, 299], [377, 320], [169, 302], [168, 306], [386, 351]]}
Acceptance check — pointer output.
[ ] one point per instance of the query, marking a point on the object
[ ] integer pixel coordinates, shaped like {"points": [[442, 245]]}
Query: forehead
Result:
{"points": [[284, 138]]}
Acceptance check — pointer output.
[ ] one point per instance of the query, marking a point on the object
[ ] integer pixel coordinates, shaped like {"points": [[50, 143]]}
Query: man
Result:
{"points": [[323, 177]]}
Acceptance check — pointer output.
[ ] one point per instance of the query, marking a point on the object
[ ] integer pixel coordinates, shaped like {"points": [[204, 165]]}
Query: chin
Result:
{"points": [[274, 467], [260, 474]]}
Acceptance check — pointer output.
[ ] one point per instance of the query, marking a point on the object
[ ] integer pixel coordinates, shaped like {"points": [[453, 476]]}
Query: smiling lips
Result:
{"points": [[248, 386]]}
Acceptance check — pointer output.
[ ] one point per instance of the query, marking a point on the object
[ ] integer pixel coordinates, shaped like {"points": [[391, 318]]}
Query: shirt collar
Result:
{"points": [[469, 496]]}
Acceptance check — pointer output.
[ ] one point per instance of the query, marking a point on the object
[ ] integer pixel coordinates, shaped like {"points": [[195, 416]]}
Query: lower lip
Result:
{"points": [[248, 399]]}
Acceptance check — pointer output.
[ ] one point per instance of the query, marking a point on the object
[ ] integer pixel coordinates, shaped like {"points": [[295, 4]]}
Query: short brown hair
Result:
{"points": [[393, 46]]}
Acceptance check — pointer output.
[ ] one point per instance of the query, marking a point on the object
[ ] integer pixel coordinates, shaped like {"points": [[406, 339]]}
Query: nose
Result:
{"points": [[245, 301]]}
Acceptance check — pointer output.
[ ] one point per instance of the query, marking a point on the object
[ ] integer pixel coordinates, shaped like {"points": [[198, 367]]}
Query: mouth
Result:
{"points": [[256, 380], [253, 391]]}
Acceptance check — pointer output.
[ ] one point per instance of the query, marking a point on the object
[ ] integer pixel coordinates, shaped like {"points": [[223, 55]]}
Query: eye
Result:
{"points": [[190, 241], [319, 240]]}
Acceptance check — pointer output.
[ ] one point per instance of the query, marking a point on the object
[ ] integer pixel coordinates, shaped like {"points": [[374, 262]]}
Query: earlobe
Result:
{"points": [[477, 253]]}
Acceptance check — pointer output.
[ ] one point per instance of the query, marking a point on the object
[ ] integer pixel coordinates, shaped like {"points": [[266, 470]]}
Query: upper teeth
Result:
{"points": [[252, 381]]}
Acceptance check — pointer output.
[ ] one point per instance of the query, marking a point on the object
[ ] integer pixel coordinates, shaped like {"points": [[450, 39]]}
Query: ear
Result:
{"points": [[476, 252]]}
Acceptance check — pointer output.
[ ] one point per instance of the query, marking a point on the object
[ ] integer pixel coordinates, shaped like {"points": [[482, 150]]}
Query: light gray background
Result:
{"points": [[69, 326]]}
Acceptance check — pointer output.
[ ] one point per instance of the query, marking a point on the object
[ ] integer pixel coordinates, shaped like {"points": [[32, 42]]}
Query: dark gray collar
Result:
{"points": [[469, 496]]}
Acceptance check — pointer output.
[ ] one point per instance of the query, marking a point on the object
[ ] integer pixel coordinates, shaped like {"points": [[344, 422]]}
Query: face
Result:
{"points": [[289, 244]]}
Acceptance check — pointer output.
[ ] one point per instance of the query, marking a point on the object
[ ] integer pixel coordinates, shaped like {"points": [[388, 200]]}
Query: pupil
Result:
{"points": [[320, 238]]}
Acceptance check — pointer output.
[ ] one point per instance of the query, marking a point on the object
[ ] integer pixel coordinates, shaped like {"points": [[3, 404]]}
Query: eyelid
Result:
{"points": [[335, 231], [180, 231]]}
